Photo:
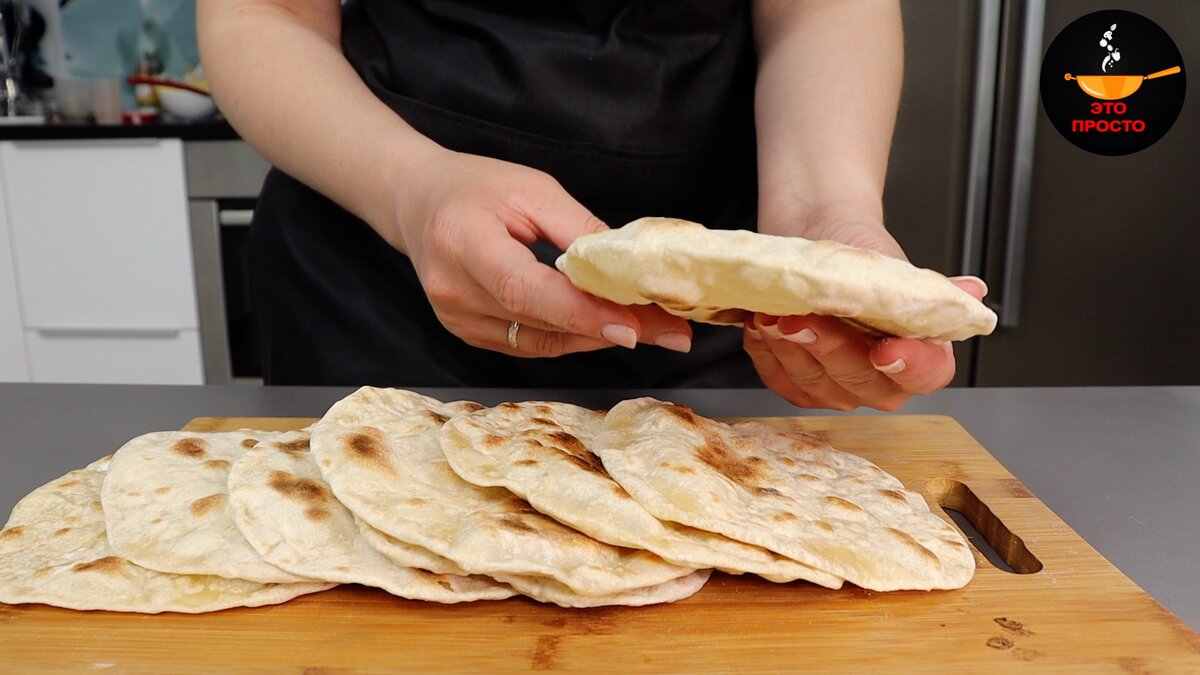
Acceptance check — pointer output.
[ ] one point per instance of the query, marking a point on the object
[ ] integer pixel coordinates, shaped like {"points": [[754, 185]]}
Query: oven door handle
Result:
{"points": [[235, 217]]}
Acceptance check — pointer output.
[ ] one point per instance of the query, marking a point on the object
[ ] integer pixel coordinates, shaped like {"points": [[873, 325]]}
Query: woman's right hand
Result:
{"points": [[467, 222]]}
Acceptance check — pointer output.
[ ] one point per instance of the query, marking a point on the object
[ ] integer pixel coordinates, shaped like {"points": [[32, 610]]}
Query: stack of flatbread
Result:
{"points": [[455, 502]]}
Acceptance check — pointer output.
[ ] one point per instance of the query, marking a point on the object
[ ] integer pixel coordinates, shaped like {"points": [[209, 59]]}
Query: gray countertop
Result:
{"points": [[1119, 465]]}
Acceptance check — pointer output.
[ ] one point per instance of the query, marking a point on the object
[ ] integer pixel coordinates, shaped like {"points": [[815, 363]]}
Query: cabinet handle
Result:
{"points": [[979, 162], [97, 332], [1025, 126], [235, 217]]}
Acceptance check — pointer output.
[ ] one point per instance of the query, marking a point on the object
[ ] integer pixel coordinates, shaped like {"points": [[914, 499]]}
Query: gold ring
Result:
{"points": [[513, 328]]}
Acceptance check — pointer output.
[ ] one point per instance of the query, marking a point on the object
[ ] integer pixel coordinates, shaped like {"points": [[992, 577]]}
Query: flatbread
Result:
{"points": [[286, 511], [378, 449], [786, 492], [166, 505], [53, 551], [722, 276], [405, 554], [545, 589], [540, 450]]}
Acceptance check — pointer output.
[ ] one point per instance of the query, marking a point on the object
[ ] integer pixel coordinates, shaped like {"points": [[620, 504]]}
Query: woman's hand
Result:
{"points": [[822, 362], [467, 222]]}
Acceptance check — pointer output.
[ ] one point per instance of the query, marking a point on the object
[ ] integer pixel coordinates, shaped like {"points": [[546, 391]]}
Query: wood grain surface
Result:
{"points": [[1075, 613]]}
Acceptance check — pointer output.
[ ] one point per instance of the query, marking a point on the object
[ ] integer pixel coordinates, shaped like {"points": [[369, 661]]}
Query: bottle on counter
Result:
{"points": [[149, 65]]}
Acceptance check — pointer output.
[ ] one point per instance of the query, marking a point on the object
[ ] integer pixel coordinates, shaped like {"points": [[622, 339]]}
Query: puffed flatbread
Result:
{"points": [[786, 492], [722, 276], [53, 551]]}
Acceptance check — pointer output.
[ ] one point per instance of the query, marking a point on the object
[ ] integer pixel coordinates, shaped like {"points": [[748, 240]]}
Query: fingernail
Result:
{"points": [[805, 337], [620, 335], [979, 283], [676, 342], [892, 368]]}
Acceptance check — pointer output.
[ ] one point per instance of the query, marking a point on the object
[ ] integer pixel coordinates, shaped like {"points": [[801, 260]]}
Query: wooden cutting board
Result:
{"points": [[1076, 611]]}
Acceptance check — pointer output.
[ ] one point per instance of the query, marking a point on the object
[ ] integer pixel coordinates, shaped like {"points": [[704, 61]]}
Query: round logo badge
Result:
{"points": [[1113, 82]]}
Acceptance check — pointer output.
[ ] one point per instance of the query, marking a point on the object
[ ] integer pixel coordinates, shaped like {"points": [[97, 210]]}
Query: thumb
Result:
{"points": [[560, 219]]}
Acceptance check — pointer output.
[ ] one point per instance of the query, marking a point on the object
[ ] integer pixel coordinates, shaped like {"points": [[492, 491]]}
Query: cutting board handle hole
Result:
{"points": [[1005, 550]]}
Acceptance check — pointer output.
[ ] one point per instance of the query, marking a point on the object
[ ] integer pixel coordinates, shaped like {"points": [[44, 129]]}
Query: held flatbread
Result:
{"points": [[785, 492], [287, 512], [378, 449], [166, 504], [53, 551], [540, 450], [721, 276]]}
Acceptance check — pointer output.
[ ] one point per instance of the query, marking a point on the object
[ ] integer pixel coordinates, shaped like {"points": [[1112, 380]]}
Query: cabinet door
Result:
{"points": [[100, 234]]}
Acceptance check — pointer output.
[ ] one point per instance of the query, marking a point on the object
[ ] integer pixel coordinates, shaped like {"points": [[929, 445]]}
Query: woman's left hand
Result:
{"points": [[822, 362]]}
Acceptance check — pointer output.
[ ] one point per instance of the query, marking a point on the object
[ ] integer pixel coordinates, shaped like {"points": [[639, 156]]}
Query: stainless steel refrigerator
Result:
{"points": [[1093, 261]]}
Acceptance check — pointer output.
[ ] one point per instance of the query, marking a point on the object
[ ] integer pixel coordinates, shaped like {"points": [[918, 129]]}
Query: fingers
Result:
{"points": [[662, 328], [530, 291], [916, 366], [531, 342], [770, 370]]}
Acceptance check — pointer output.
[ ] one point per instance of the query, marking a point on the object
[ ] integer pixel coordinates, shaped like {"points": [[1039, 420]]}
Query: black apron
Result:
{"points": [[636, 107]]}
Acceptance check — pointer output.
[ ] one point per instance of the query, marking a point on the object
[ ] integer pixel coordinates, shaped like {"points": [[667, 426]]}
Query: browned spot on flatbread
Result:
{"points": [[767, 492], [317, 513], [249, 443], [787, 461], [68, 484], [514, 523], [435, 417], [916, 546], [678, 468], [620, 491], [445, 584], [205, 505], [217, 465], [189, 447], [96, 505], [366, 447], [70, 520], [133, 493], [542, 409], [894, 496], [60, 532], [299, 489], [297, 445], [156, 521], [544, 422], [576, 452], [784, 516], [509, 405], [109, 564], [823, 525], [833, 500], [809, 477], [492, 440], [414, 501], [12, 533], [42, 571], [471, 406], [526, 462], [683, 412], [717, 454], [162, 490]]}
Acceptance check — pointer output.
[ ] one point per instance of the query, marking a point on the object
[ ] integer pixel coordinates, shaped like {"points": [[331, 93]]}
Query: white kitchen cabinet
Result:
{"points": [[103, 262], [13, 365]]}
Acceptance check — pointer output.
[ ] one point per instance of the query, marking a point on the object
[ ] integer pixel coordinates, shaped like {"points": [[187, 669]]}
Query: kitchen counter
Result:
{"points": [[208, 130], [1119, 465]]}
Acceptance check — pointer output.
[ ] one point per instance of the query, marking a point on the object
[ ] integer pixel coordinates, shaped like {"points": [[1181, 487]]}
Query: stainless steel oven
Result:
{"points": [[223, 179]]}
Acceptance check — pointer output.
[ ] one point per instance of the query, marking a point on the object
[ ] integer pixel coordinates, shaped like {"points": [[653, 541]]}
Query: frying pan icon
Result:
{"points": [[1113, 87]]}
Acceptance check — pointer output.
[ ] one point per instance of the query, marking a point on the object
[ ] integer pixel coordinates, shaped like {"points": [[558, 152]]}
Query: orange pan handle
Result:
{"points": [[1163, 73]]}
